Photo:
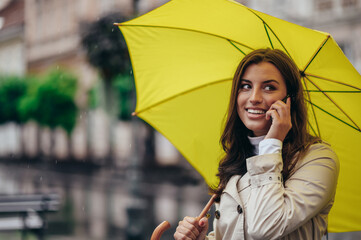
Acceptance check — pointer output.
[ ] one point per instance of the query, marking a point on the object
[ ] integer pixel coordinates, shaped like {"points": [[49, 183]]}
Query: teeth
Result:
{"points": [[255, 111]]}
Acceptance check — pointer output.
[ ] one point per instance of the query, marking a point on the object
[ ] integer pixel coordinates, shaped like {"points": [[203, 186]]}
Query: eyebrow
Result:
{"points": [[267, 81]]}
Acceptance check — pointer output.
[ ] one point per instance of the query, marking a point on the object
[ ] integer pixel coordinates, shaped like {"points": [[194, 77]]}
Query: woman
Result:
{"points": [[276, 180]]}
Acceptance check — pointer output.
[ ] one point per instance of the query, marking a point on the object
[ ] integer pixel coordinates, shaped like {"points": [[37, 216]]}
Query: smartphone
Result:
{"points": [[285, 99]]}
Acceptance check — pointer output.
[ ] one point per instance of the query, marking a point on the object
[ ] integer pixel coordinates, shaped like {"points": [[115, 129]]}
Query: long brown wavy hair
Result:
{"points": [[235, 140]]}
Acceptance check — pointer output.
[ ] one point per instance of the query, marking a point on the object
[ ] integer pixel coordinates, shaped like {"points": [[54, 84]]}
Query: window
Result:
{"points": [[1, 22], [349, 3], [324, 5]]}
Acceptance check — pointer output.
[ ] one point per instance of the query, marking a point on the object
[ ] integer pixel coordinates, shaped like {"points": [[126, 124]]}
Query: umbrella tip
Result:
{"points": [[117, 24], [134, 114]]}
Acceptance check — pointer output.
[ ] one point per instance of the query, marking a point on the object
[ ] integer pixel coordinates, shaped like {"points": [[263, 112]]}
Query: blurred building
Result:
{"points": [[340, 18], [39, 35], [12, 61], [12, 50]]}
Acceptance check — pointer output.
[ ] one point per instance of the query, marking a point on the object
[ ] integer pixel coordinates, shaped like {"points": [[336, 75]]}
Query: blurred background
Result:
{"points": [[68, 141]]}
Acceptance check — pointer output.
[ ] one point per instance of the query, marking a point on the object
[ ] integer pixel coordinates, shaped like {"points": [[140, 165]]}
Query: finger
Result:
{"points": [[288, 102], [279, 104], [178, 235], [192, 228], [191, 220], [182, 231], [189, 224], [272, 114], [203, 222], [283, 109]]}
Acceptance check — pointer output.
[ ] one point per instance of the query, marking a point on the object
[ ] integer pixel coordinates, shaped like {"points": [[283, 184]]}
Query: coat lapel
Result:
{"points": [[232, 190]]}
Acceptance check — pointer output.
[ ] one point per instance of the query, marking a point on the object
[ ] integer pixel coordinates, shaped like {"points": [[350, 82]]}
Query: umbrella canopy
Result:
{"points": [[184, 55]]}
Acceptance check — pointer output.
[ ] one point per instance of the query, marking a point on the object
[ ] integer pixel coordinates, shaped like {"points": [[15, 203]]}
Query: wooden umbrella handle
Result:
{"points": [[158, 231], [161, 228], [206, 208]]}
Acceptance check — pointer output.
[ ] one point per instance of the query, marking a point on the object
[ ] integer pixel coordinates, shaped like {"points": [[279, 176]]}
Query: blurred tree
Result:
{"points": [[12, 89], [107, 51], [106, 47], [124, 86], [28, 104], [57, 106], [50, 101]]}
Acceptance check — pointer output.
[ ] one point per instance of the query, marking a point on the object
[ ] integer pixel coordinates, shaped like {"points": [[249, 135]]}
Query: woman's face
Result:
{"points": [[261, 85]]}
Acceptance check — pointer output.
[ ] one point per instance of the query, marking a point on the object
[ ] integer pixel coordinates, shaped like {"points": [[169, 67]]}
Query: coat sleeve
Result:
{"points": [[210, 236], [276, 210]]}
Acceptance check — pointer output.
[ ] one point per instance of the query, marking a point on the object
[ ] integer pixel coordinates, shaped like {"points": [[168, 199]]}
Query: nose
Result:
{"points": [[256, 97]]}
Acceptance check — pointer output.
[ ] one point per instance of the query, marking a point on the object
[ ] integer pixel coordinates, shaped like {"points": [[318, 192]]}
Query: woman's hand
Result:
{"points": [[190, 228], [280, 113]]}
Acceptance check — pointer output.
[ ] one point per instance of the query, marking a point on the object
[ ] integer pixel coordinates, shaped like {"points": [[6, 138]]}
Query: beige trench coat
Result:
{"points": [[258, 206]]}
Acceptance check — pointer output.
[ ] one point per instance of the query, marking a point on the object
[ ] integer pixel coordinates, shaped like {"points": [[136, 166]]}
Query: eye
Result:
{"points": [[270, 88], [245, 86]]}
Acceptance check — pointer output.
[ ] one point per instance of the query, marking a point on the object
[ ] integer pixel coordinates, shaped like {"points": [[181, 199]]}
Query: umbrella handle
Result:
{"points": [[164, 226], [158, 231]]}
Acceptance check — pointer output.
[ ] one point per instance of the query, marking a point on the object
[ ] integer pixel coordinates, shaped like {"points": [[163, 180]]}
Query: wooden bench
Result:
{"points": [[27, 212]]}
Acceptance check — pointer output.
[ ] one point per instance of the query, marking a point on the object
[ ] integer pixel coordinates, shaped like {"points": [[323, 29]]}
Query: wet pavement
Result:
{"points": [[110, 203], [107, 203]]}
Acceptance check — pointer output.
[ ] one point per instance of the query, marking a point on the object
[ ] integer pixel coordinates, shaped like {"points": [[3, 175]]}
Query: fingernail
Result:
{"points": [[201, 224]]}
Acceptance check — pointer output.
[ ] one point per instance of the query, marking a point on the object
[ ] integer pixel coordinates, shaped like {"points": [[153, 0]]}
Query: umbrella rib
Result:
{"points": [[279, 40], [330, 91], [315, 54], [269, 38], [236, 47], [180, 94], [329, 98], [334, 81], [265, 24], [313, 130], [313, 110], [182, 29], [356, 128]]}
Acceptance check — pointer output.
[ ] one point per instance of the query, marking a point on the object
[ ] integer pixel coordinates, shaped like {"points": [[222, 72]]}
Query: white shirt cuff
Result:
{"points": [[269, 146]]}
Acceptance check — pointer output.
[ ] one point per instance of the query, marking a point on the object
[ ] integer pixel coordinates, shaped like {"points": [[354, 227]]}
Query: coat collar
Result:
{"points": [[232, 189]]}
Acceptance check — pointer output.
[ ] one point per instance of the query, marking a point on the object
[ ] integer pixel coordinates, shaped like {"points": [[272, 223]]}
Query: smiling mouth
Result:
{"points": [[256, 111]]}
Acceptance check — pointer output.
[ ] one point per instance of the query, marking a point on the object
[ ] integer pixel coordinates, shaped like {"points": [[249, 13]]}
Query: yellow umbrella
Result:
{"points": [[184, 55]]}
